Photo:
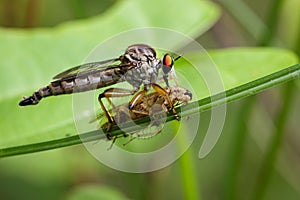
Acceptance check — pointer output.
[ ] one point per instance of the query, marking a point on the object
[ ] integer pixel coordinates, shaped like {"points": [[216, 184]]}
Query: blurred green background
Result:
{"points": [[256, 157]]}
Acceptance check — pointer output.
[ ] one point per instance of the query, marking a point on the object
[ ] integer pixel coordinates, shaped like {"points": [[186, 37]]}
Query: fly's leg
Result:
{"points": [[111, 92], [163, 92], [137, 98], [108, 116]]}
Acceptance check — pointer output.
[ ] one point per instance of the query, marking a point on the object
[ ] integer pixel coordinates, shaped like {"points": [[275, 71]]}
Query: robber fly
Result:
{"points": [[149, 105], [138, 66]]}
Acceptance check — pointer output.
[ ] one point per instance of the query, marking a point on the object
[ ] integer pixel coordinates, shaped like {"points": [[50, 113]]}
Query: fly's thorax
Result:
{"points": [[145, 65], [144, 73]]}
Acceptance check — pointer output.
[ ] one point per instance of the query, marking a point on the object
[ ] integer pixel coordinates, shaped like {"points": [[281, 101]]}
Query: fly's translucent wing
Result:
{"points": [[87, 68]]}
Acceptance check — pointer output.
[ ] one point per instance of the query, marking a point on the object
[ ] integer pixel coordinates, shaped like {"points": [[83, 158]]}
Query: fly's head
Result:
{"points": [[167, 64]]}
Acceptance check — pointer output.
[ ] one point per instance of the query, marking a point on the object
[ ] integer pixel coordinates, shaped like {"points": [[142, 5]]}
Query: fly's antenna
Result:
{"points": [[178, 57]]}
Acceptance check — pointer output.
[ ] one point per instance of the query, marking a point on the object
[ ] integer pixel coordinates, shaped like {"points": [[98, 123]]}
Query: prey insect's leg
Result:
{"points": [[145, 133], [114, 140], [163, 92]]}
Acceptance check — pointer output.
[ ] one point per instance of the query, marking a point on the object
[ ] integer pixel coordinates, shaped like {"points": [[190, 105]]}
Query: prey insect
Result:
{"points": [[138, 66], [154, 105]]}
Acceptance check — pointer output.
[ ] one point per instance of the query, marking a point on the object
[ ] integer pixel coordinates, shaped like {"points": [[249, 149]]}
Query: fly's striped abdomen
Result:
{"points": [[79, 84], [89, 82]]}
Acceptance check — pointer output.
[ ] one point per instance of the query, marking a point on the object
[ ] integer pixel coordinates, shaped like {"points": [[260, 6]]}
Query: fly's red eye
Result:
{"points": [[167, 63], [168, 60]]}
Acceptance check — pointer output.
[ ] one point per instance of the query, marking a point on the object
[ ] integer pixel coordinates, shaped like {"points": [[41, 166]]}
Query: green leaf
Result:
{"points": [[241, 65], [30, 58]]}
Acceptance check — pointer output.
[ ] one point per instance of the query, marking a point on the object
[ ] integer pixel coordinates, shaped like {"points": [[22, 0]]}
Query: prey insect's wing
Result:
{"points": [[88, 68]]}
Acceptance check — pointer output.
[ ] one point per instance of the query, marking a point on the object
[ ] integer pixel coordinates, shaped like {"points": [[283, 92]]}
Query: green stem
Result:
{"points": [[269, 162], [243, 14], [188, 172], [236, 155], [272, 23], [267, 169], [239, 92]]}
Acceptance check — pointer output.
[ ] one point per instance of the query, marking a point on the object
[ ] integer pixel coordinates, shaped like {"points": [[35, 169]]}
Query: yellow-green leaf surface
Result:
{"points": [[238, 66], [30, 58]]}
